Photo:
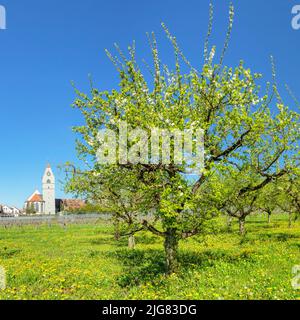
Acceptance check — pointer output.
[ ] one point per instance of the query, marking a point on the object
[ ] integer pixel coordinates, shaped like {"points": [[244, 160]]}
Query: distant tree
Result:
{"points": [[239, 199], [30, 209], [241, 210], [120, 197], [289, 197], [250, 180], [268, 199]]}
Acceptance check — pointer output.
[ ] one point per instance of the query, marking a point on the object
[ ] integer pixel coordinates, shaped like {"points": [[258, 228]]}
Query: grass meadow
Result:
{"points": [[83, 261]]}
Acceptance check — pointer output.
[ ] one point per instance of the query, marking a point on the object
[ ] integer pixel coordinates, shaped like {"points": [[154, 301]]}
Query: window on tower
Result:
{"points": [[48, 181]]}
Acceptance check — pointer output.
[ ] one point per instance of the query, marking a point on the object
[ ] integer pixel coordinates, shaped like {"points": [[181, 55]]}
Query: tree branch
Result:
{"points": [[265, 182], [150, 228], [230, 149]]}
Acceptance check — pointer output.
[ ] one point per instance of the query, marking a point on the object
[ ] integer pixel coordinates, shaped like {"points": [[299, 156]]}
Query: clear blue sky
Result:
{"points": [[51, 42]]}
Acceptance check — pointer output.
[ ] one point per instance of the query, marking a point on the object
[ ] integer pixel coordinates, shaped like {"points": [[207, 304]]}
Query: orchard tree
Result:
{"points": [[268, 199], [225, 103], [235, 204], [241, 210], [116, 190], [249, 181], [289, 196], [238, 199]]}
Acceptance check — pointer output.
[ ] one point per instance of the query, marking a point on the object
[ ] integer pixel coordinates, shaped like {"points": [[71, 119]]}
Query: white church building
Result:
{"points": [[43, 203]]}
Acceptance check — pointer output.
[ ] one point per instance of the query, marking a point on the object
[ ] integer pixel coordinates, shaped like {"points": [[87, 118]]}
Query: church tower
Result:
{"points": [[49, 191]]}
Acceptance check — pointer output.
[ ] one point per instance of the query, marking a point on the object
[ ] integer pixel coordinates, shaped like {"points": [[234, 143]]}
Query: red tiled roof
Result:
{"points": [[36, 197], [73, 203]]}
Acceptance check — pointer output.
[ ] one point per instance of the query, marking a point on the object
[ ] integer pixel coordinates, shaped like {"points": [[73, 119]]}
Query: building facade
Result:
{"points": [[7, 211], [43, 203], [49, 191], [35, 204]]}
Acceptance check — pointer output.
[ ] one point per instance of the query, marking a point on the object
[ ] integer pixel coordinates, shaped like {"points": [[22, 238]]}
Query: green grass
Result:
{"points": [[85, 262]]}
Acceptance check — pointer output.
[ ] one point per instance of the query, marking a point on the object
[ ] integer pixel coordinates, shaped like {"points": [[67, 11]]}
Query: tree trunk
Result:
{"points": [[131, 242], [242, 226], [171, 250], [290, 220], [269, 217], [117, 230], [229, 222]]}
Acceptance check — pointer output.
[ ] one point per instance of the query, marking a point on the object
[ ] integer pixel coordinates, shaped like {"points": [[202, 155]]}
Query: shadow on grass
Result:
{"points": [[256, 222], [7, 253], [141, 238], [109, 241], [252, 238], [142, 266], [269, 226], [296, 245], [281, 237]]}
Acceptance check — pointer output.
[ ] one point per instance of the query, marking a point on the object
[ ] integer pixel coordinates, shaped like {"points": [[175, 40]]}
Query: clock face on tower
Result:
{"points": [[48, 174]]}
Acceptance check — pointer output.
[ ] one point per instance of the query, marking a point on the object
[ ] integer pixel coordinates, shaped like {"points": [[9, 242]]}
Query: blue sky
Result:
{"points": [[49, 43]]}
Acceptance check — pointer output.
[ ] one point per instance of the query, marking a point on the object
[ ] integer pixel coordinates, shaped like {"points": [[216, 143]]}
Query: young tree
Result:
{"points": [[30, 209], [224, 102], [116, 191], [248, 185], [268, 199], [289, 196], [233, 203], [241, 209]]}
